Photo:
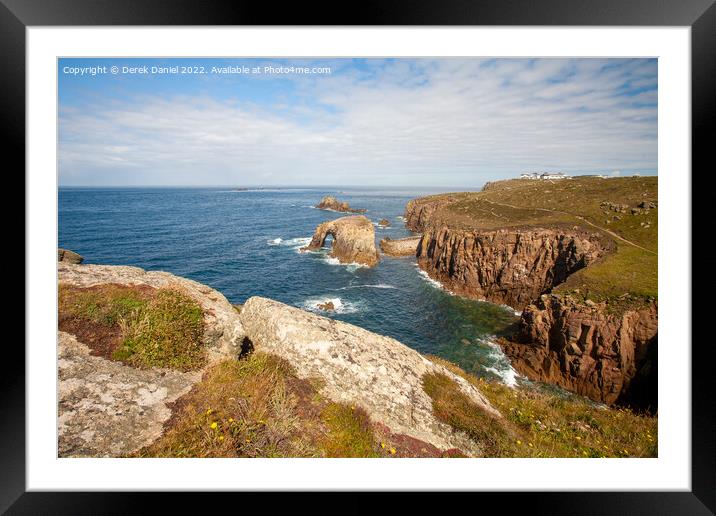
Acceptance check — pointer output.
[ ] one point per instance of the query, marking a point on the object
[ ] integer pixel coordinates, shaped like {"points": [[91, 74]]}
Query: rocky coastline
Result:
{"points": [[351, 365], [605, 350]]}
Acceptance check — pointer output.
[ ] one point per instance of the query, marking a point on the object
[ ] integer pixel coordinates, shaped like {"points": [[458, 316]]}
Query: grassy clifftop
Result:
{"points": [[623, 211]]}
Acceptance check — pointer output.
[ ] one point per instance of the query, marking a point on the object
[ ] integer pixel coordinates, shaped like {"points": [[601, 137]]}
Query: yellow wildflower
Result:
{"points": [[221, 438], [382, 445], [392, 451], [208, 412], [231, 420], [214, 425], [519, 442]]}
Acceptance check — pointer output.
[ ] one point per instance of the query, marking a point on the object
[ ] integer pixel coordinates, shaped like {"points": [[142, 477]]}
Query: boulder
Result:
{"points": [[354, 365], [400, 247], [384, 223], [328, 306], [65, 255], [353, 240]]}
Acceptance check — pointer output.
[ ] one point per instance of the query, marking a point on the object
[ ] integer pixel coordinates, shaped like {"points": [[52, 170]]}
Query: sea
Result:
{"points": [[246, 242]]}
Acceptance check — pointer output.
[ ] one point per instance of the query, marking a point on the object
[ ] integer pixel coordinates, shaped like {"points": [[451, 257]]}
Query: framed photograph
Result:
{"points": [[420, 252]]}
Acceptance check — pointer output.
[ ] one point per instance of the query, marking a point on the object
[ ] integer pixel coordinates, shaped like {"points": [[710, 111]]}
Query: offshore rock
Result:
{"points": [[353, 240], [331, 203], [400, 247]]}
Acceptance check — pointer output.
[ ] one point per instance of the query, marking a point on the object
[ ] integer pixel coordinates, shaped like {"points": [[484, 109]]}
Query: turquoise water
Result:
{"points": [[245, 243]]}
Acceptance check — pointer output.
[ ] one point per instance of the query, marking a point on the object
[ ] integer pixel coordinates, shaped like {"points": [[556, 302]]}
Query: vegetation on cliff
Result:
{"points": [[538, 424], [623, 211], [139, 325]]}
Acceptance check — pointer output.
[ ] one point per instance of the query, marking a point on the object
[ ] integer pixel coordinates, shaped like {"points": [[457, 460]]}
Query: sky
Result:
{"points": [[352, 122]]}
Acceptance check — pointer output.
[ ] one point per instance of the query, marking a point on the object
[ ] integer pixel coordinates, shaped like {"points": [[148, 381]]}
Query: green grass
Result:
{"points": [[520, 204], [258, 407], [452, 406], [350, 433], [168, 332], [538, 424], [105, 305], [156, 327]]}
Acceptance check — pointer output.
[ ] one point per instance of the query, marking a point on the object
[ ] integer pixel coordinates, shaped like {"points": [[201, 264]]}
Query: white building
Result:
{"points": [[528, 175], [543, 175], [552, 175]]}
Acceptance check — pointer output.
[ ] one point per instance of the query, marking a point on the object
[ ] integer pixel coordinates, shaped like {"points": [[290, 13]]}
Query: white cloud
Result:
{"points": [[425, 122]]}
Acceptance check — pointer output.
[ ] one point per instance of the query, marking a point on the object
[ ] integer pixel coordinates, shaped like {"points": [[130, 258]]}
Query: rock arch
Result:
{"points": [[353, 240]]}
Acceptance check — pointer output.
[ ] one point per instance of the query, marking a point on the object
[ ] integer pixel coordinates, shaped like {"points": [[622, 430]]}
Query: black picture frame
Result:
{"points": [[700, 15]]}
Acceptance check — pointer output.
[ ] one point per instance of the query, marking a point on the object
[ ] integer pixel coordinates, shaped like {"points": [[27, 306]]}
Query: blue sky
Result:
{"points": [[386, 122]]}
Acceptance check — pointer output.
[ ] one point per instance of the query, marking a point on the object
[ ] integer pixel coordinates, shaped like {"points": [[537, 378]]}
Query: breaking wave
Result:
{"points": [[339, 305], [502, 366], [431, 281]]}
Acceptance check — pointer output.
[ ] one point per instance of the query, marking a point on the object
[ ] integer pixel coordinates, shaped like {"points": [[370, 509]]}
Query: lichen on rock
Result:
{"points": [[355, 365]]}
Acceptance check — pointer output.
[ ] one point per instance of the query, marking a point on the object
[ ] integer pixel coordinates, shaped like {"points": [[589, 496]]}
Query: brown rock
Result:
{"points": [[353, 240], [400, 247], [65, 255], [609, 357], [328, 306], [384, 223], [331, 203], [510, 266]]}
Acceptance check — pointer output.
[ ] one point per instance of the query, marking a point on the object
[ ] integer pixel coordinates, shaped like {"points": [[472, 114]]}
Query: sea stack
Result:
{"points": [[331, 203], [353, 240]]}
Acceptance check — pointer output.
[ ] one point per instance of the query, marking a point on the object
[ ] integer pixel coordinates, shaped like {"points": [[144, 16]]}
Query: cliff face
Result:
{"points": [[609, 357], [590, 348], [419, 211], [512, 267], [353, 240]]}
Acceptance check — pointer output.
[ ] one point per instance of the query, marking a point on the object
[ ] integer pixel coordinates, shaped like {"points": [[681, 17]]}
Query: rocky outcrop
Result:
{"points": [[108, 409], [384, 223], [67, 256], [331, 203], [223, 333], [400, 247], [357, 366], [353, 240], [607, 355], [507, 266]]}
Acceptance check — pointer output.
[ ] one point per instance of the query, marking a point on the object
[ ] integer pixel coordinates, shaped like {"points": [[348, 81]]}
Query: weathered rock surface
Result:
{"points": [[331, 203], [65, 255], [508, 266], [400, 247], [107, 409], [223, 332], [384, 223], [609, 357], [353, 240], [358, 366]]}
